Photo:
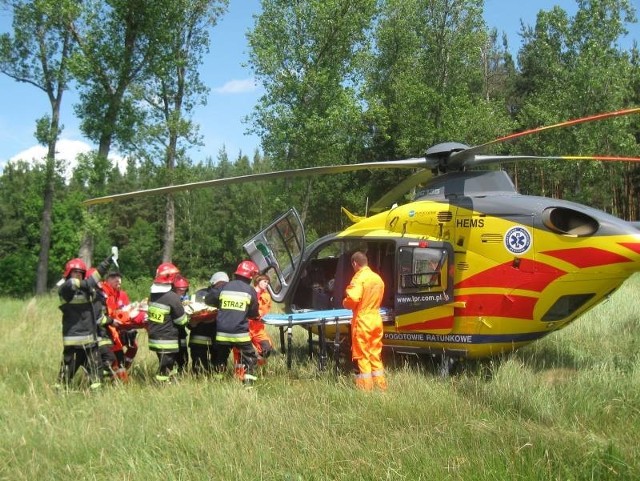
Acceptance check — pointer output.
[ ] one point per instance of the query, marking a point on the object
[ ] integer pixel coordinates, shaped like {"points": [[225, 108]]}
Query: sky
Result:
{"points": [[233, 91]]}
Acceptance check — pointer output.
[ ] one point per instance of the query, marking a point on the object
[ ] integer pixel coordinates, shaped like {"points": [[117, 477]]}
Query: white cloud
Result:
{"points": [[237, 86], [66, 149]]}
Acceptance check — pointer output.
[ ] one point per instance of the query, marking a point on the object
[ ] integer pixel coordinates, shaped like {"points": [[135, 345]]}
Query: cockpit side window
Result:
{"points": [[422, 269]]}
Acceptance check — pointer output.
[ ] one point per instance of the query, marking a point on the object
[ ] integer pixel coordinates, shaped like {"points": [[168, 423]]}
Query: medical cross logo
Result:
{"points": [[517, 240]]}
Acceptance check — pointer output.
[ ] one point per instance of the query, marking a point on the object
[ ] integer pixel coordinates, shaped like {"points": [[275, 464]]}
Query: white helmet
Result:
{"points": [[219, 277]]}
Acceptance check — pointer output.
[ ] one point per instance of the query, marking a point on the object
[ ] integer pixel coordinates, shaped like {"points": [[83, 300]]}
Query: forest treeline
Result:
{"points": [[345, 81]]}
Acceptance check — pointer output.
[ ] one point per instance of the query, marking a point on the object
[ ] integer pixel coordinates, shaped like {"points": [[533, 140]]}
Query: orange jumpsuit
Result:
{"points": [[124, 335], [259, 336], [364, 296], [261, 340]]}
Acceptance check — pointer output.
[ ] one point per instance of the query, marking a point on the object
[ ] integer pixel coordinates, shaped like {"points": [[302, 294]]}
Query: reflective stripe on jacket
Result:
{"points": [[166, 317], [236, 302]]}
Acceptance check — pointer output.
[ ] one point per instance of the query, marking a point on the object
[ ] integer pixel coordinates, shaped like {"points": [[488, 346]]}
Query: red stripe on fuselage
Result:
{"points": [[529, 275], [433, 324], [584, 257], [497, 305], [632, 246]]}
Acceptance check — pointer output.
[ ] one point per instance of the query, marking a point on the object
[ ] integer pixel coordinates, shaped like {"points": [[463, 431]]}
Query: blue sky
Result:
{"points": [[233, 92]]}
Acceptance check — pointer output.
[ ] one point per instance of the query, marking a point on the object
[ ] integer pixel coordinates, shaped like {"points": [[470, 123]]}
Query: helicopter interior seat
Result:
{"points": [[312, 292], [320, 270]]}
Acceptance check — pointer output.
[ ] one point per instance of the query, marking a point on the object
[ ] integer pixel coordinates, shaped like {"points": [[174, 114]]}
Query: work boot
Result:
{"points": [[364, 384], [380, 382]]}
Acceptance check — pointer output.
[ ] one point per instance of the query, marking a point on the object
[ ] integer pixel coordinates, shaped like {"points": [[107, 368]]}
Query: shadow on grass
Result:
{"points": [[544, 356]]}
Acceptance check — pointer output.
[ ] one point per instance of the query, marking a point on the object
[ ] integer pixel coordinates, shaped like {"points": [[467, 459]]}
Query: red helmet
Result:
{"points": [[181, 282], [74, 264], [247, 269], [166, 273]]}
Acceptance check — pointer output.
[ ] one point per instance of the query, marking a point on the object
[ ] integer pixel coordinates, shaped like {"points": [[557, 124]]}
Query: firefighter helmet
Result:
{"points": [[166, 273], [181, 282], [74, 264], [219, 277], [247, 269]]}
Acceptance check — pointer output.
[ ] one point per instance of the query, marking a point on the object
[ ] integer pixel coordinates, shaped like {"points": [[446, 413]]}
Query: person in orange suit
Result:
{"points": [[259, 336], [125, 345], [364, 296]]}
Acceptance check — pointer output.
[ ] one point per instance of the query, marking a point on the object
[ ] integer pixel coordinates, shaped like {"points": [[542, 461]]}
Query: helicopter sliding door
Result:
{"points": [[277, 250], [424, 293]]}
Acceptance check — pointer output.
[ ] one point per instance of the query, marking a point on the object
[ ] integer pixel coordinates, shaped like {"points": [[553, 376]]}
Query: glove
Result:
{"points": [[114, 256], [104, 266]]}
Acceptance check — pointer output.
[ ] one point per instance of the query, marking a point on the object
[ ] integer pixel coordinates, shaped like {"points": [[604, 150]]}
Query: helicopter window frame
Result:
{"points": [[284, 240], [566, 306], [422, 269]]}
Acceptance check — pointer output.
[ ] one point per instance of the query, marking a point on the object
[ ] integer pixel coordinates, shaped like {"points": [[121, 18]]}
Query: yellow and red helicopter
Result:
{"points": [[472, 268]]}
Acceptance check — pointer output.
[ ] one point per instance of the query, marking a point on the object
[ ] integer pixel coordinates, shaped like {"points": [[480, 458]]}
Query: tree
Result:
{"points": [[304, 54], [116, 42], [38, 54], [172, 89], [573, 67], [435, 75]]}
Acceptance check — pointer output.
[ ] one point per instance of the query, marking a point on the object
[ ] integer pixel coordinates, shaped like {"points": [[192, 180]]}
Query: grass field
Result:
{"points": [[565, 408]]}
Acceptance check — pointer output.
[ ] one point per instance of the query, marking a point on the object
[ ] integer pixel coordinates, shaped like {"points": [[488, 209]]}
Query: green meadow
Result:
{"points": [[564, 408]]}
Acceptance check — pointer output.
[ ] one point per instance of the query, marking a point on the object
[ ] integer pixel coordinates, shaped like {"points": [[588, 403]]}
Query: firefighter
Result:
{"points": [[79, 324], [202, 337], [237, 301], [166, 316], [364, 296]]}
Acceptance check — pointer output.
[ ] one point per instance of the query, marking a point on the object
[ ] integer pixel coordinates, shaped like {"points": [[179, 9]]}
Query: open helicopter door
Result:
{"points": [[424, 292], [277, 250]]}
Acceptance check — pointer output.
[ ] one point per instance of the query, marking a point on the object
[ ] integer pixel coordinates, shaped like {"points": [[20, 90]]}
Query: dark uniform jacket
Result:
{"points": [[79, 319], [237, 301], [166, 316]]}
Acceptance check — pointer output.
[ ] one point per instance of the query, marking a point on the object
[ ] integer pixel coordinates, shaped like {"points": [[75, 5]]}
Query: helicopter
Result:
{"points": [[472, 268]]}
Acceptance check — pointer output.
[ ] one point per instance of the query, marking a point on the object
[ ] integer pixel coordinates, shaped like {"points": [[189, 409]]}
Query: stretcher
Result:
{"points": [[311, 319]]}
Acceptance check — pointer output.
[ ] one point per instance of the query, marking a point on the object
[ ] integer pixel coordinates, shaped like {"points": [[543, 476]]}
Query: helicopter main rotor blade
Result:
{"points": [[465, 158], [388, 199], [321, 170]]}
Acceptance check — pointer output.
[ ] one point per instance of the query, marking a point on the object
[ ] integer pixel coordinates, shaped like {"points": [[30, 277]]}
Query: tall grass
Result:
{"points": [[565, 408]]}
